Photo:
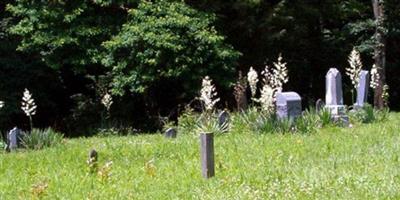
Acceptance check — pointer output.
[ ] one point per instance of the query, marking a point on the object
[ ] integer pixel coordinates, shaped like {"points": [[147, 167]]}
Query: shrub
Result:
{"points": [[167, 40], [41, 138], [255, 120], [367, 114], [324, 117], [308, 122], [209, 123], [187, 121]]}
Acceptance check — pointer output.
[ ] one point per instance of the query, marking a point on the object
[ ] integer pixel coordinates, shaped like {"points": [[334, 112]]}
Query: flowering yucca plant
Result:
{"points": [[267, 98], [374, 77], [208, 94], [28, 106], [107, 102], [280, 74], [252, 78], [273, 82], [355, 69]]}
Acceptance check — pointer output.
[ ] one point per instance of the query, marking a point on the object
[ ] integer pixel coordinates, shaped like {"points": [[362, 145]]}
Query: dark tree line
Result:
{"points": [[151, 55]]}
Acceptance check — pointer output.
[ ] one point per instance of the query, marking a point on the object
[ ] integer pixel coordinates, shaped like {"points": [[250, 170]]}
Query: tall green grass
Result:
{"points": [[361, 162]]}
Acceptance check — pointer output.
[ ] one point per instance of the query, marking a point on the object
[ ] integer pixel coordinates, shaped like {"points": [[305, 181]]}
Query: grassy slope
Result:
{"points": [[361, 163]]}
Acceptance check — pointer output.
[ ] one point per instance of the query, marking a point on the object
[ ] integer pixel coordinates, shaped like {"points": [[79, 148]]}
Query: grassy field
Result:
{"points": [[335, 163]]}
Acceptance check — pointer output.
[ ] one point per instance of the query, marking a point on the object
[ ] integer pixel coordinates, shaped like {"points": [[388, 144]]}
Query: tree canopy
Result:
{"points": [[152, 55]]}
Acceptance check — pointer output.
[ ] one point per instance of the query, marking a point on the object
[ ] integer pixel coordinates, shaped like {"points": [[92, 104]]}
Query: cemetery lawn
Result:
{"points": [[334, 163]]}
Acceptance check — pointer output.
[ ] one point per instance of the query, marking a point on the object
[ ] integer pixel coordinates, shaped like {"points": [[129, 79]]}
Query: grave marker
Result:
{"points": [[13, 138], [170, 133], [362, 89], [223, 119], [334, 97], [207, 154], [288, 105]]}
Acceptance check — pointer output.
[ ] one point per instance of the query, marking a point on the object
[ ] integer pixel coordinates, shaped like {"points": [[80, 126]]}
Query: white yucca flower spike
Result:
{"points": [[276, 76], [280, 73], [208, 94], [374, 77], [267, 98], [107, 101], [252, 78], [28, 104], [1, 104], [355, 67]]}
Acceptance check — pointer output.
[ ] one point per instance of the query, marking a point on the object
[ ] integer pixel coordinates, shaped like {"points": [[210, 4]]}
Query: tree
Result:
{"points": [[164, 39], [380, 51]]}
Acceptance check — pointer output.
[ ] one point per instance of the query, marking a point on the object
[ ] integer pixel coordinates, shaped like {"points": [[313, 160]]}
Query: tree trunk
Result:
{"points": [[379, 52]]}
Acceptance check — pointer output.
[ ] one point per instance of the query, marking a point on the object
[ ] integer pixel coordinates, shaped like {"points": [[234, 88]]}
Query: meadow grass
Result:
{"points": [[361, 162]]}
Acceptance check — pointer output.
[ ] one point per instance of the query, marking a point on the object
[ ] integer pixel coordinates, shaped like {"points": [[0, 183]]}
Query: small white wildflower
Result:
{"points": [[1, 104], [252, 78], [107, 101], [355, 67], [28, 104], [374, 77], [208, 94]]}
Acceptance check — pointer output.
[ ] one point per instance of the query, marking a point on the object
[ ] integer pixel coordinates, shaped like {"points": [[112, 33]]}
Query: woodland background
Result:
{"points": [[152, 55]]}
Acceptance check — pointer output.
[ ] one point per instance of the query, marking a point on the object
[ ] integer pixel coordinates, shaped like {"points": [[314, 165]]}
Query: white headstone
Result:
{"points": [[288, 105], [333, 86], [13, 137], [362, 89], [334, 97]]}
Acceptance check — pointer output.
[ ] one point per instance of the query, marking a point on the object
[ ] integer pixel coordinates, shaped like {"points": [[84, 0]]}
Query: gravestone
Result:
{"points": [[334, 97], [319, 105], [207, 155], [170, 133], [288, 105], [13, 138], [92, 156], [362, 89], [223, 119]]}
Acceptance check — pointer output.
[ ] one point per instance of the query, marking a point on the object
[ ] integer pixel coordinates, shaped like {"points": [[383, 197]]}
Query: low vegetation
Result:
{"points": [[334, 163]]}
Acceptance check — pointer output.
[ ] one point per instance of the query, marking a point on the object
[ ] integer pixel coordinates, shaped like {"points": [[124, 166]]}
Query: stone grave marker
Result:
{"points": [[223, 119], [362, 89], [334, 97], [319, 105], [207, 155], [288, 105], [13, 138], [170, 133]]}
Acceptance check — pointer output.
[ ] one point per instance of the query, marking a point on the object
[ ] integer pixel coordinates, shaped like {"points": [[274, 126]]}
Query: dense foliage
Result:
{"points": [[334, 163], [153, 54], [167, 40]]}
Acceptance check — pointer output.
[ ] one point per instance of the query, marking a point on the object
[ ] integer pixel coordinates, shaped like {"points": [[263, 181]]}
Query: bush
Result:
{"points": [[324, 117], [367, 114], [187, 121], [164, 40], [41, 138], [308, 122], [208, 123]]}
